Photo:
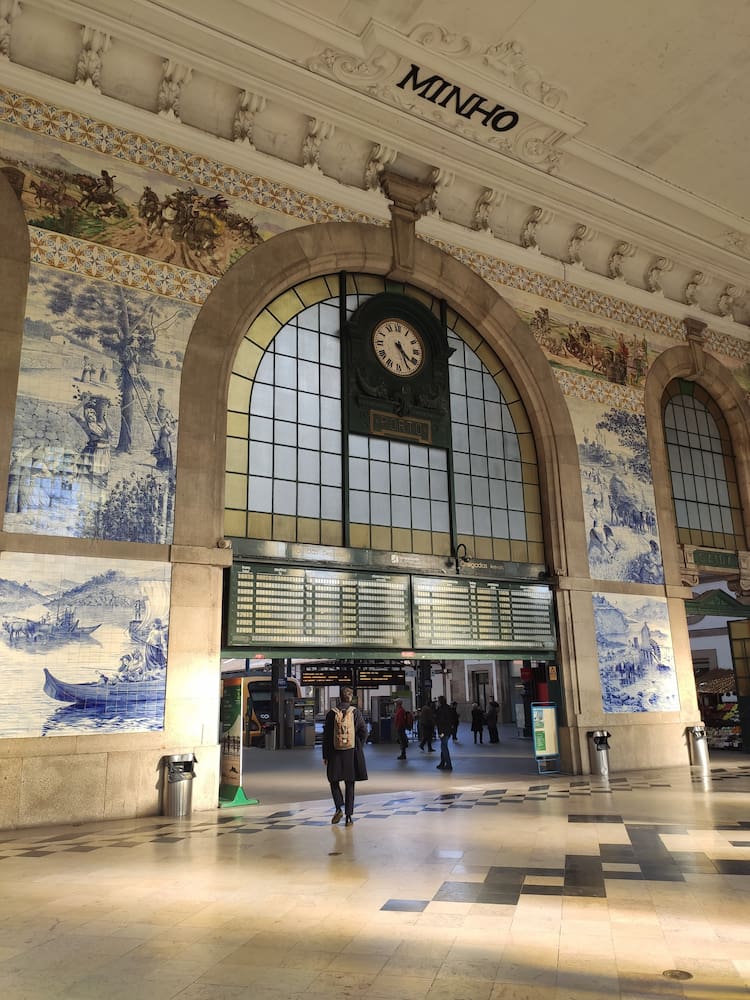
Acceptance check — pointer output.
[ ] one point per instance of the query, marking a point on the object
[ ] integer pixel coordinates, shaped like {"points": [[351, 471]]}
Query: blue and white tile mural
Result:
{"points": [[83, 647], [95, 430], [618, 496], [636, 662]]}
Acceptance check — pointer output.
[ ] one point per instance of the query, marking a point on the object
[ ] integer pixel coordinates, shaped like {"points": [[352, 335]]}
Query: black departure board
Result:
{"points": [[327, 675], [455, 613], [373, 677], [296, 607]]}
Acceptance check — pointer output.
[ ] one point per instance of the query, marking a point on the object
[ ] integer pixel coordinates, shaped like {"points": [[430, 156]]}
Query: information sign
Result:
{"points": [[288, 606], [544, 731], [454, 613]]}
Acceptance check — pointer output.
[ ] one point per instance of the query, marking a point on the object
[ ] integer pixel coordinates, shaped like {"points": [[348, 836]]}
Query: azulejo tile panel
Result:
{"points": [[84, 645]]}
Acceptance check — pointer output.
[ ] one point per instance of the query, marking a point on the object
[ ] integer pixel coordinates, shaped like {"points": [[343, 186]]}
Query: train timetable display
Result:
{"points": [[287, 606], [478, 614]]}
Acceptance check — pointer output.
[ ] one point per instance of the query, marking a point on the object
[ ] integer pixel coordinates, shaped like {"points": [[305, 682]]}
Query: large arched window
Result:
{"points": [[289, 459], [702, 469]]}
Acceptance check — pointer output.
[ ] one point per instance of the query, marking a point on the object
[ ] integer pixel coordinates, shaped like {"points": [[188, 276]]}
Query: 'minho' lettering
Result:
{"points": [[442, 92]]}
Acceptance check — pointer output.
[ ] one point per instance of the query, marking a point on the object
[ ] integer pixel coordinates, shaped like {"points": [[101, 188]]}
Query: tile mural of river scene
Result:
{"points": [[95, 429], [83, 645], [636, 661]]}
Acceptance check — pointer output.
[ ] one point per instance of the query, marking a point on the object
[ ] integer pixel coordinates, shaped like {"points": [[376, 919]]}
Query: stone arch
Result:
{"points": [[692, 363], [15, 260], [311, 251]]}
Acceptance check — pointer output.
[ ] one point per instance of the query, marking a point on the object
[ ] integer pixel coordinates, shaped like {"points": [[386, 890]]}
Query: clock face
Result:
{"points": [[398, 347]]}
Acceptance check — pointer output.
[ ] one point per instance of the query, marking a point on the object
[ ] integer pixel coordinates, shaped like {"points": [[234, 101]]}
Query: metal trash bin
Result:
{"points": [[599, 752], [698, 747], [177, 784], [269, 734]]}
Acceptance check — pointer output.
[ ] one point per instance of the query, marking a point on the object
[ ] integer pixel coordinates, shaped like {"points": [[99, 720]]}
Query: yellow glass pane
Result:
{"points": [[331, 533], [315, 290], [334, 283], [421, 296], [237, 456], [308, 530], [520, 420], [264, 329], [402, 539], [238, 425], [536, 552], [531, 499], [369, 284], [380, 535], [247, 359], [285, 307], [422, 541], [441, 543], [284, 528], [489, 359], [534, 527], [467, 333], [483, 548], [238, 397], [519, 551], [505, 384], [236, 491], [235, 523], [259, 526], [501, 549], [528, 451], [359, 536]]}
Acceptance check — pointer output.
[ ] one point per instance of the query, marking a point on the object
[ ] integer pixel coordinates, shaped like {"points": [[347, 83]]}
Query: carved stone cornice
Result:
{"points": [[409, 199], [695, 330]]}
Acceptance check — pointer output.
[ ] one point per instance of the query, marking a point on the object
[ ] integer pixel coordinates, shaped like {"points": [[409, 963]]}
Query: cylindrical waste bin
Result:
{"points": [[599, 752], [269, 732], [698, 747], [177, 784]]}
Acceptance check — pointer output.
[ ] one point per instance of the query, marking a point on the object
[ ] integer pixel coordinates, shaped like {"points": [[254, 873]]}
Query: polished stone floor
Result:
{"points": [[491, 882]]}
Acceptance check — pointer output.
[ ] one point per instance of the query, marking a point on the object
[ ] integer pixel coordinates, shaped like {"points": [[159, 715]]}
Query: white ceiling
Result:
{"points": [[634, 116]]}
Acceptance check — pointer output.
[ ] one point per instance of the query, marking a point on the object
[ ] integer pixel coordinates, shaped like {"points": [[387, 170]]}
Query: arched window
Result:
{"points": [[290, 459], [702, 469]]}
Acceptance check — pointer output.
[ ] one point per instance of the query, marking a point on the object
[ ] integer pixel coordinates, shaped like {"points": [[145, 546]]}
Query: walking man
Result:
{"points": [[344, 736], [444, 724], [401, 724], [426, 726]]}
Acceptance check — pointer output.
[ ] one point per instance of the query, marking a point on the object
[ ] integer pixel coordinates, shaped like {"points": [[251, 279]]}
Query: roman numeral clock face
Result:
{"points": [[398, 347]]}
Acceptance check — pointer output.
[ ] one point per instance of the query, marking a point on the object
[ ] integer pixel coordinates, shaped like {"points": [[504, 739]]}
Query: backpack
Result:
{"points": [[343, 729]]}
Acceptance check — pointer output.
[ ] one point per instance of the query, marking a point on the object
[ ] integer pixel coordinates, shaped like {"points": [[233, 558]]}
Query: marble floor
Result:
{"points": [[491, 882]]}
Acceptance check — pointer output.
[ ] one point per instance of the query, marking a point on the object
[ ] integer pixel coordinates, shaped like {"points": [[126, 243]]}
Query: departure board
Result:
{"points": [[454, 613], [288, 606]]}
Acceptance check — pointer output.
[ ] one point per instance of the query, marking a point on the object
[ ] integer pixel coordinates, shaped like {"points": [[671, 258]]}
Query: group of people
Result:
{"points": [[489, 718], [435, 718]]}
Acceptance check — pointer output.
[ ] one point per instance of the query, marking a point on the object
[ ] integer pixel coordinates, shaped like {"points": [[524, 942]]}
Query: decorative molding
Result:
{"points": [[9, 10], [174, 78], [89, 66], [506, 59], [538, 217], [480, 220], [318, 131], [95, 261], [727, 299], [380, 157], [655, 272], [243, 123], [691, 288], [580, 235], [408, 201], [696, 338], [616, 261], [440, 180]]}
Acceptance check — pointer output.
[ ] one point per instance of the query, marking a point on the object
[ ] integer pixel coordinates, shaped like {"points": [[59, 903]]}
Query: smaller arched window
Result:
{"points": [[701, 466]]}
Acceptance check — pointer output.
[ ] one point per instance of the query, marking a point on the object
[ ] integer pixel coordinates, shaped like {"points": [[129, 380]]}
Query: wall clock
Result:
{"points": [[399, 347]]}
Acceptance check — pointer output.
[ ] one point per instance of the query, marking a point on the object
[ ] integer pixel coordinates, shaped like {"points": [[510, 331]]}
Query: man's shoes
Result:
{"points": [[440, 767], [401, 757], [421, 748], [449, 768], [348, 821], [337, 816], [431, 749]]}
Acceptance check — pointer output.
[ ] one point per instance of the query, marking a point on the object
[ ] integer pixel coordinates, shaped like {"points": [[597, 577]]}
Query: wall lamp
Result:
{"points": [[461, 556]]}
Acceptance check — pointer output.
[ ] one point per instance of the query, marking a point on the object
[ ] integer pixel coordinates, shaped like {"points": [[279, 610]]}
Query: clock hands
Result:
{"points": [[404, 355]]}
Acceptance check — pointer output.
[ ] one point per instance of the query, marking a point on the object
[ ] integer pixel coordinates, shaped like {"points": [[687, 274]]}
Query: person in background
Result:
{"points": [[426, 727], [477, 723], [344, 765], [491, 719], [401, 724], [444, 725], [456, 720]]}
